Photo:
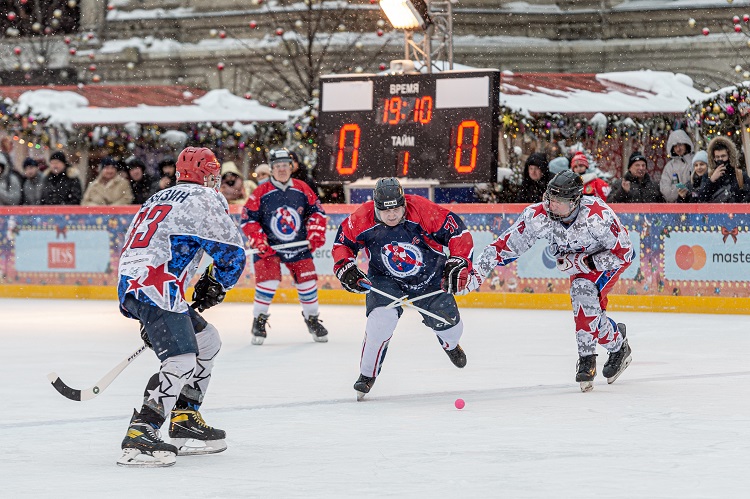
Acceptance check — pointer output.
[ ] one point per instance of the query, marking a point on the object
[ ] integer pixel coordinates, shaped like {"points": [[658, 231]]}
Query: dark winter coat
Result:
{"points": [[61, 189], [532, 191], [693, 186], [642, 190], [142, 189], [32, 189], [734, 185]]}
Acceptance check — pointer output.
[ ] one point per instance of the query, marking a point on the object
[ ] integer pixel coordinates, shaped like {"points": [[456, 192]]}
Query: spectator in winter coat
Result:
{"points": [[108, 188], [679, 169], [262, 173], [10, 185], [636, 186], [727, 180], [140, 182], [167, 177], [233, 188], [300, 172], [592, 184], [32, 182], [698, 179], [536, 176], [58, 186]]}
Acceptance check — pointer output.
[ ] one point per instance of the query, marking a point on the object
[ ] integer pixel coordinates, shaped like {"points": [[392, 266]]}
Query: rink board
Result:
{"points": [[690, 258]]}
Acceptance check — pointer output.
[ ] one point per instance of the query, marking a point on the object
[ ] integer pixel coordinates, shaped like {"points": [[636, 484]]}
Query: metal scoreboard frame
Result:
{"points": [[441, 126]]}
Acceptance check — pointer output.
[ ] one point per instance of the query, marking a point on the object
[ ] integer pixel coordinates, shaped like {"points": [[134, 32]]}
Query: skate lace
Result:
{"points": [[263, 321], [199, 420]]}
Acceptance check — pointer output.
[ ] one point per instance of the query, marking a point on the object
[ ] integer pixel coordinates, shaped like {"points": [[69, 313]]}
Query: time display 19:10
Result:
{"points": [[398, 110]]}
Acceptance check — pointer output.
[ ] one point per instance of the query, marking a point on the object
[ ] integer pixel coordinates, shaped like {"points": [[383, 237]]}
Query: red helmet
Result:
{"points": [[196, 164]]}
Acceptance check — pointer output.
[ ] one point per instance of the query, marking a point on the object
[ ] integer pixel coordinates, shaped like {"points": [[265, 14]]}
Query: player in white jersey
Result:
{"points": [[593, 247], [163, 248]]}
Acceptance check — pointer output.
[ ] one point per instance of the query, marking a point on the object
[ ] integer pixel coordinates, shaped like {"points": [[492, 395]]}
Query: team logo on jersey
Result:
{"points": [[402, 259], [285, 223]]}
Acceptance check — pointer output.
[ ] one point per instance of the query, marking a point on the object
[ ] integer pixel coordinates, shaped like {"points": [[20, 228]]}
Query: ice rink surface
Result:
{"points": [[674, 425]]}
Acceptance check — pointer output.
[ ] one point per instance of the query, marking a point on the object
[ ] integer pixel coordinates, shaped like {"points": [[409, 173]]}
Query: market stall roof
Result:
{"points": [[627, 92], [120, 104]]}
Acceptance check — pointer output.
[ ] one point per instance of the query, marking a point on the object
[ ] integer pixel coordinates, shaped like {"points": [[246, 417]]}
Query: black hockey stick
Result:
{"points": [[99, 387]]}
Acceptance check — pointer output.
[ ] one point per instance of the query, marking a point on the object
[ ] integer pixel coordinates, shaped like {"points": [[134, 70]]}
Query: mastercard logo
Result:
{"points": [[690, 257]]}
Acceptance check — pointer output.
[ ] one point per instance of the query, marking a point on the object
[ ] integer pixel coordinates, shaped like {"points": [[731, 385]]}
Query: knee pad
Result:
{"points": [[209, 342], [179, 365]]}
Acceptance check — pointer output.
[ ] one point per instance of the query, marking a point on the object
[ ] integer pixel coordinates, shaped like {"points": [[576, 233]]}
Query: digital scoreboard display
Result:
{"points": [[440, 126]]}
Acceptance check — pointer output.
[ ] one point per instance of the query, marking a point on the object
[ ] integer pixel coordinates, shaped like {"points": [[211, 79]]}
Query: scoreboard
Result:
{"points": [[440, 126]]}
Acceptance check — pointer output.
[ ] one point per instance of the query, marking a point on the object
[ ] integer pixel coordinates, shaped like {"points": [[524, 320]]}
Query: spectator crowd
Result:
{"points": [[715, 175]]}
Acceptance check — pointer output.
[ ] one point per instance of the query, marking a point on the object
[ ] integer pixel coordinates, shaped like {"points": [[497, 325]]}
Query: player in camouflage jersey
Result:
{"points": [[164, 245], [593, 247]]}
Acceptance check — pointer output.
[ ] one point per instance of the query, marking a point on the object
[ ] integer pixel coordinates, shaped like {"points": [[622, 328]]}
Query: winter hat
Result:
{"points": [[636, 156], [107, 161], [537, 159], [134, 162], [59, 156], [700, 156], [294, 156], [558, 165], [29, 162], [579, 158]]}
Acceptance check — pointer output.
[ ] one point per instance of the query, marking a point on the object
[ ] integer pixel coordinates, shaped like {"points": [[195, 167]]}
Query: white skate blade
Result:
{"points": [[587, 386], [624, 366], [257, 340], [193, 447], [320, 339], [137, 459], [360, 396]]}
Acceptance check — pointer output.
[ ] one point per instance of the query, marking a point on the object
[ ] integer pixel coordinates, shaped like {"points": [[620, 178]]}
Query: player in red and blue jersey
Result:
{"points": [[403, 237], [279, 212]]}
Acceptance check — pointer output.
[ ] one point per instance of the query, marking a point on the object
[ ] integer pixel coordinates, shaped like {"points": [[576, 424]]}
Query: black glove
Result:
{"points": [[144, 336], [208, 292], [352, 278], [455, 275]]}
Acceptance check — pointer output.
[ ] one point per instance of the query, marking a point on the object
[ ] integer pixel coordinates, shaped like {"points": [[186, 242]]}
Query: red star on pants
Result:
{"points": [[596, 209], [539, 210], [157, 277], [583, 321]]}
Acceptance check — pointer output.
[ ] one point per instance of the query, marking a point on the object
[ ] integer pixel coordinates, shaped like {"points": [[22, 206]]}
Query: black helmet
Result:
{"points": [[388, 194], [279, 156], [566, 186]]}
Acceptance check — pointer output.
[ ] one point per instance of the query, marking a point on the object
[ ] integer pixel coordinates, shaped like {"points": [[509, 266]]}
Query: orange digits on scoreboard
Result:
{"points": [[458, 164], [349, 128]]}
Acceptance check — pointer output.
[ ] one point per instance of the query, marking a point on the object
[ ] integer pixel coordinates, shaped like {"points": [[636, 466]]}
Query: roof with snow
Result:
{"points": [[627, 92], [120, 104]]}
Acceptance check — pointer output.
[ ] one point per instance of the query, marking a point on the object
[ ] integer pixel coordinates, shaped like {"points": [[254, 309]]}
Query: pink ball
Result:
{"points": [[459, 403]]}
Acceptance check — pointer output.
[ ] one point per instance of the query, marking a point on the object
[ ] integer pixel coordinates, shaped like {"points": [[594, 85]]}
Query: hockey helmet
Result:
{"points": [[567, 188], [197, 165], [388, 194], [279, 156]]}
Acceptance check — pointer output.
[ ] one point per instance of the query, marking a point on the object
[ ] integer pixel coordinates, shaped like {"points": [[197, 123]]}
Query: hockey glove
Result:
{"points": [[259, 242], [144, 336], [208, 291], [455, 275], [316, 231], [352, 278], [575, 263]]}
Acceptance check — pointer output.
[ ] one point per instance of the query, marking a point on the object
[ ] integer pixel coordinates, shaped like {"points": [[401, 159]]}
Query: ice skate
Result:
{"points": [[618, 361], [259, 329], [586, 372], [144, 448], [193, 436], [363, 386], [457, 356], [316, 329]]}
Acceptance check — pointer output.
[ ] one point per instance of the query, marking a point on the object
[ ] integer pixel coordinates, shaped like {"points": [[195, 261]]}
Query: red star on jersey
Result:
{"points": [[596, 209], [539, 210], [182, 283], [157, 277], [583, 321], [133, 285], [502, 243]]}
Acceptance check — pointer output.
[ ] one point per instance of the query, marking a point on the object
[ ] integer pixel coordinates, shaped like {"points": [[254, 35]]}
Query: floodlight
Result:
{"points": [[407, 14]]}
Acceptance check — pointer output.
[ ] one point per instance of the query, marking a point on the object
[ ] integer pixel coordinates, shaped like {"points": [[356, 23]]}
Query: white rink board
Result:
{"points": [[674, 425]]}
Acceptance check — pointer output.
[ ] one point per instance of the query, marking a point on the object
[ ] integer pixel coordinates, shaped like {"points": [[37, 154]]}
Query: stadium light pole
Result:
{"points": [[431, 21]]}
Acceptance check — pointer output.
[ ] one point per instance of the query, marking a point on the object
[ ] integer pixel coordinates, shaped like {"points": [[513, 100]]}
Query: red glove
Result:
{"points": [[316, 231], [259, 242]]}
